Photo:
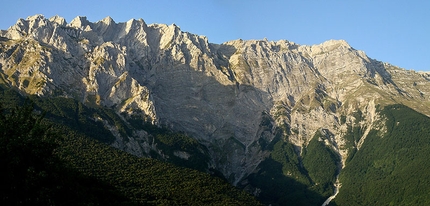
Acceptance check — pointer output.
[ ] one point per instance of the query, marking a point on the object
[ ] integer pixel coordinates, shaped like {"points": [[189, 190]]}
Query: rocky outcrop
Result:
{"points": [[231, 97]]}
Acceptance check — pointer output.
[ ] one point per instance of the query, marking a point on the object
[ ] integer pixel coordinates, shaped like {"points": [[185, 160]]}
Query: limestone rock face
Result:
{"points": [[231, 97]]}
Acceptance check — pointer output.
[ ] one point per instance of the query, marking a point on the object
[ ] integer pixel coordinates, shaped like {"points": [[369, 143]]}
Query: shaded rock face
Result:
{"points": [[232, 97]]}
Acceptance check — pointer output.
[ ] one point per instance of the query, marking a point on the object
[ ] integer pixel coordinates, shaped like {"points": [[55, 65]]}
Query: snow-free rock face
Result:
{"points": [[232, 97]]}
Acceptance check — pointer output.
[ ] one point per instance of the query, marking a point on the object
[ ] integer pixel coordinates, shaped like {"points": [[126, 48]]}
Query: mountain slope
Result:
{"points": [[57, 163], [393, 164], [248, 102]]}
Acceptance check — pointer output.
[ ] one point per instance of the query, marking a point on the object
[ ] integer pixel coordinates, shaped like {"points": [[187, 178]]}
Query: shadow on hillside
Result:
{"points": [[225, 116], [193, 100], [279, 189]]}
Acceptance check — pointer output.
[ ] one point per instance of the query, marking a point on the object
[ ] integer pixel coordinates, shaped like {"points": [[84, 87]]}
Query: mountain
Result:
{"points": [[278, 119]]}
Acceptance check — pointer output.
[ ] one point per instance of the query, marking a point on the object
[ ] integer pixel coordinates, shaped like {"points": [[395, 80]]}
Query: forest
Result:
{"points": [[288, 178], [393, 168], [47, 160]]}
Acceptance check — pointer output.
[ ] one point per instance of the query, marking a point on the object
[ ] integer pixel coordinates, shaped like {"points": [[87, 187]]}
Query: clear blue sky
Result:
{"points": [[394, 31]]}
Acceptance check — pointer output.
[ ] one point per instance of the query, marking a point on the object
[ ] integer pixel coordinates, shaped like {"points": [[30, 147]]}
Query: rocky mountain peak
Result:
{"points": [[59, 20], [36, 18], [234, 97], [107, 20], [79, 22], [335, 43]]}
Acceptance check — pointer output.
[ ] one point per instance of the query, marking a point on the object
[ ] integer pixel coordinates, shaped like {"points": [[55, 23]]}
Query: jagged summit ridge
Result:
{"points": [[233, 97]]}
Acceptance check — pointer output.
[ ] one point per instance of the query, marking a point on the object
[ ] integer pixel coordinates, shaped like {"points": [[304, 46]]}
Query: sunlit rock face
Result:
{"points": [[234, 97]]}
